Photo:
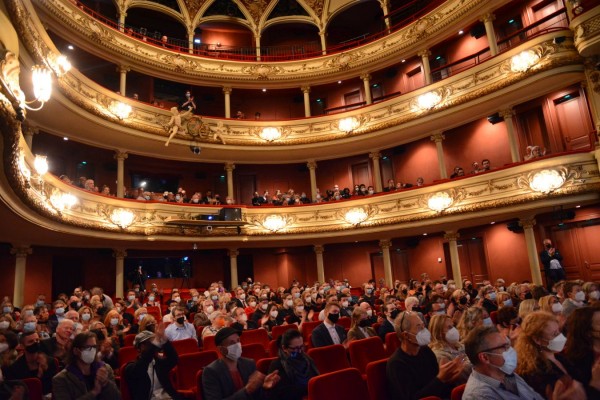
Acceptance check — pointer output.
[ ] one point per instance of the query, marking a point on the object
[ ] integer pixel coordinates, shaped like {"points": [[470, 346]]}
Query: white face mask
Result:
{"points": [[252, 304], [452, 336], [300, 308], [131, 298], [114, 321], [151, 298], [243, 318], [307, 299], [510, 361], [274, 314], [557, 344], [210, 309], [88, 356], [557, 308], [508, 303], [423, 337], [370, 313], [264, 307], [3, 347], [234, 351], [4, 325], [242, 296], [344, 304], [86, 317], [594, 295], [289, 303], [492, 296], [580, 296], [488, 322]]}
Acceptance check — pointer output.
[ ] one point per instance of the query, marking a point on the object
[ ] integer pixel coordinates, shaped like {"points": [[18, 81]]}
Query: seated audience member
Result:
{"points": [[329, 332], [84, 377], [494, 362], [181, 329], [526, 307], [458, 171], [33, 363], [390, 313], [233, 376], [300, 314], [551, 304], [359, 328], [509, 323], [488, 294], [371, 316], [294, 366], [413, 371], [206, 308], [59, 345], [475, 169], [108, 349], [471, 318], [574, 297], [583, 346], [269, 320], [240, 319], [217, 322], [485, 165], [59, 313], [156, 354], [445, 344]]}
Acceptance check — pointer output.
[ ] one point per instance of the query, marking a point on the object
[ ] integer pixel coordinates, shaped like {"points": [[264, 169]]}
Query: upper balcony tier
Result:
{"points": [[108, 42]]}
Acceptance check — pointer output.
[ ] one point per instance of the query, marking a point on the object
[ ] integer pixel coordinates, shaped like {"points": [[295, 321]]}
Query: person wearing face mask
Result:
{"points": [[181, 329], [86, 315], [359, 327], [592, 293], [84, 377], [538, 348], [368, 295], [295, 367], [371, 316], [345, 307], [329, 332], [445, 344], [489, 296], [59, 313], [148, 376], [390, 312], [33, 363], [269, 320], [241, 322], [575, 298], [114, 325], [471, 318], [131, 301], [509, 323], [261, 310], [413, 371], [233, 376], [552, 261]]}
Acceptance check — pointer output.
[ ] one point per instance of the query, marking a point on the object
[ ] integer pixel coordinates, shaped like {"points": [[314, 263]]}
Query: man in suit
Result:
{"points": [[328, 332], [390, 312], [231, 376]]}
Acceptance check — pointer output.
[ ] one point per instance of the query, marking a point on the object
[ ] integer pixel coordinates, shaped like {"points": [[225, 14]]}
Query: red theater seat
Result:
{"points": [[186, 346], [364, 351], [344, 384], [457, 392], [187, 368], [34, 386], [329, 358], [256, 351], [127, 354], [263, 364], [260, 336], [377, 381], [279, 330], [391, 343]]}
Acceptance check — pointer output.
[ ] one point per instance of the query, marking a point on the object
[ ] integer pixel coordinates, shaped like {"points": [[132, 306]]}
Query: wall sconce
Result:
{"points": [[274, 223], [63, 65], [42, 86], [356, 216], [348, 124], [122, 218], [41, 165], [60, 201], [523, 61], [440, 201], [546, 181], [120, 110], [428, 100], [270, 134]]}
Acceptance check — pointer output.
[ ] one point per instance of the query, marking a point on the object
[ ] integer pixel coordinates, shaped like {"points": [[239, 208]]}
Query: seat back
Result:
{"points": [[125, 394], [128, 340], [377, 380], [364, 351], [279, 330], [251, 336], [127, 354], [457, 392], [256, 351], [199, 385], [391, 343], [345, 322], [494, 317], [263, 364], [34, 387], [307, 328], [273, 348], [343, 384], [185, 346], [208, 343], [189, 364], [329, 358]]}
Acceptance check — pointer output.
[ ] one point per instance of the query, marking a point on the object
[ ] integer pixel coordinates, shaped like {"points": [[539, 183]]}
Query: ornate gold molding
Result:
{"points": [[587, 32]]}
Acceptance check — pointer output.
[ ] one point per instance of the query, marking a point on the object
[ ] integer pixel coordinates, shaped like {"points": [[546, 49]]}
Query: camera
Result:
{"points": [[195, 149]]}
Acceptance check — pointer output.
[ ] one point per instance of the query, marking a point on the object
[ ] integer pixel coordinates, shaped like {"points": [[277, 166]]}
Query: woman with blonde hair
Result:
{"points": [[148, 323], [538, 347], [503, 299], [445, 344], [527, 307], [550, 304], [471, 318], [359, 328], [86, 316]]}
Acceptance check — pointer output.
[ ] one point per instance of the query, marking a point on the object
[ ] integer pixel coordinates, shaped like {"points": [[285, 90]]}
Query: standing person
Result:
{"points": [[84, 377], [188, 103], [552, 262]]}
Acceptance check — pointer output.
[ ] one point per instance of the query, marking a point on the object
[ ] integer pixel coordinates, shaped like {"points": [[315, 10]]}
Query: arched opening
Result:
{"points": [[216, 38], [289, 41], [355, 23], [153, 25]]}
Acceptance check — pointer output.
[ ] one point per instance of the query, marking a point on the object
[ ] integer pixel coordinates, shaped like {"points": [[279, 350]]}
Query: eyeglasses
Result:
{"points": [[298, 348], [505, 347]]}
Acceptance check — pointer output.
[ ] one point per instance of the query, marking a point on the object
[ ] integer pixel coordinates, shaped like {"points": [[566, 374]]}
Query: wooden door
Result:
{"points": [[545, 8], [377, 270], [400, 265], [246, 185], [566, 241], [588, 244], [533, 128], [414, 80], [471, 256], [574, 130], [361, 174]]}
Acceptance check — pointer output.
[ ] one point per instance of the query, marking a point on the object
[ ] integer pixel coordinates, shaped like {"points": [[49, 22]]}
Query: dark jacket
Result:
{"points": [[70, 384], [136, 372], [321, 336], [292, 386], [218, 385], [19, 370], [385, 328]]}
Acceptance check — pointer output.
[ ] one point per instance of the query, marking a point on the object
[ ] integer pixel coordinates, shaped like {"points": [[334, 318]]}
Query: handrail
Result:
{"points": [[344, 107]]}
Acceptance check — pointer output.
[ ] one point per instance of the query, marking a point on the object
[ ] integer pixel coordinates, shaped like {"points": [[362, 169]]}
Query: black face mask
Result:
{"points": [[463, 300], [394, 314], [528, 296], [74, 305], [333, 317], [180, 320], [363, 323], [33, 348], [99, 334], [549, 246]]}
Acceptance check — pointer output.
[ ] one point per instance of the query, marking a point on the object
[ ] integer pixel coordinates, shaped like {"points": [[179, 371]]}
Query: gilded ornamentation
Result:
{"points": [[262, 71], [549, 180], [256, 8], [316, 6]]}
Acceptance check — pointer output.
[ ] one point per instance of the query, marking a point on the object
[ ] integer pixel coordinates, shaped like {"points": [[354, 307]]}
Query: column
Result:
{"points": [[120, 156], [534, 265], [386, 11], [320, 266], [122, 15], [233, 253], [312, 166], [513, 141], [20, 253], [438, 138], [257, 41], [119, 255], [227, 93], [591, 86], [366, 78], [452, 238], [191, 42], [323, 42], [123, 70], [424, 54], [375, 156], [385, 245], [28, 132], [488, 21], [229, 167], [306, 92]]}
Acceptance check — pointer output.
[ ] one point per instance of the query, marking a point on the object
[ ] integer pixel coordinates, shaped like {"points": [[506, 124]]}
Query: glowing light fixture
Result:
{"points": [[42, 86], [41, 165], [348, 124], [356, 215], [274, 222], [122, 217], [63, 64], [523, 61], [546, 181], [60, 201], [440, 201], [121, 110], [428, 100], [270, 134]]}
